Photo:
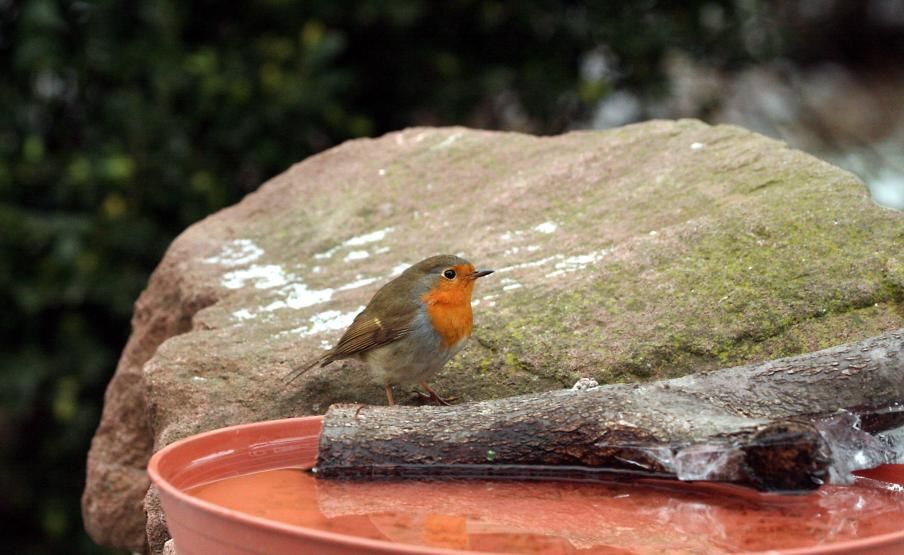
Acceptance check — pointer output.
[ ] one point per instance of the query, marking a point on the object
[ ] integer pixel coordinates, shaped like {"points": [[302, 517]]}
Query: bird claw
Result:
{"points": [[436, 399]]}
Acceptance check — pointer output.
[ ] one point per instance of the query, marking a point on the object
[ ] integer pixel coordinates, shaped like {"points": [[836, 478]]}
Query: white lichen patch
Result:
{"points": [[398, 269], [358, 241], [264, 276], [328, 320], [275, 305], [530, 263], [242, 314], [449, 141], [332, 320], [355, 255], [509, 284], [236, 253], [326, 254], [547, 227], [299, 295], [515, 250], [294, 296], [581, 261], [357, 283], [510, 235], [371, 237], [563, 264], [575, 263]]}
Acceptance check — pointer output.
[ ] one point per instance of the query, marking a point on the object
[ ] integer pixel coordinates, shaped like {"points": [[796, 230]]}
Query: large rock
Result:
{"points": [[644, 252]]}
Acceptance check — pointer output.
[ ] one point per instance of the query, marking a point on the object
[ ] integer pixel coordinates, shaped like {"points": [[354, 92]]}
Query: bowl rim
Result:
{"points": [[153, 470]]}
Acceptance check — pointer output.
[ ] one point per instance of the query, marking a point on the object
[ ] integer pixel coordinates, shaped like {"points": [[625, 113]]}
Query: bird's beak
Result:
{"points": [[480, 273]]}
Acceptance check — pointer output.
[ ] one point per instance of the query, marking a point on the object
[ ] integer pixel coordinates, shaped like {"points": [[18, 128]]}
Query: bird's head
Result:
{"points": [[446, 278]]}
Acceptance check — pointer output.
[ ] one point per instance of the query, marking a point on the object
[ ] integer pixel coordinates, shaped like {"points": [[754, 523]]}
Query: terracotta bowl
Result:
{"points": [[202, 528]]}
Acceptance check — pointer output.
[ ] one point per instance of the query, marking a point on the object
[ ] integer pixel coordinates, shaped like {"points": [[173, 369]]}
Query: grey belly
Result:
{"points": [[412, 359]]}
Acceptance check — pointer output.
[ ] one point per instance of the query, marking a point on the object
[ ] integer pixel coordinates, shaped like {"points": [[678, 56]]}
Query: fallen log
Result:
{"points": [[773, 426]]}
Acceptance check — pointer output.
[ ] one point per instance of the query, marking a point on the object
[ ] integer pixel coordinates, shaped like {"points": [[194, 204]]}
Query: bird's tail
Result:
{"points": [[296, 373]]}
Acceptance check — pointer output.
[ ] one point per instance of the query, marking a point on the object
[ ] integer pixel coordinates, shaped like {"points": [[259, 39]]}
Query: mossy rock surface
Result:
{"points": [[649, 251]]}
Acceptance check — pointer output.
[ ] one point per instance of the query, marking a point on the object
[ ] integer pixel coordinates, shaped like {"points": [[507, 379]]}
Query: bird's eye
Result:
{"points": [[449, 274]]}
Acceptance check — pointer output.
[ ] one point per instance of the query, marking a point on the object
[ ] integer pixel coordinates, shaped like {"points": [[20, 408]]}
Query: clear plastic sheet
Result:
{"points": [[850, 449]]}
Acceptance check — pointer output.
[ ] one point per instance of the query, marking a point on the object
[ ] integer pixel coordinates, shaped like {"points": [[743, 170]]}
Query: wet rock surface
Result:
{"points": [[644, 252]]}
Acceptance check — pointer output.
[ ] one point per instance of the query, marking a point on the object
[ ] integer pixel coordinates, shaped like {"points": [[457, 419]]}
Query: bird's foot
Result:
{"points": [[434, 398]]}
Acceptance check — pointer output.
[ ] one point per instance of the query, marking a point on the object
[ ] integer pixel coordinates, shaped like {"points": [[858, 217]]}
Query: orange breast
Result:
{"points": [[450, 313]]}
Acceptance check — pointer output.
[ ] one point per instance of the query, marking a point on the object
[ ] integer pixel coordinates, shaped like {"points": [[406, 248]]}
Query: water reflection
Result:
{"points": [[564, 517]]}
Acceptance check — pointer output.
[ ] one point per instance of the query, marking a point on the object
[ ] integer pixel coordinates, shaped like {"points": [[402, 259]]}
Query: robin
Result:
{"points": [[412, 326]]}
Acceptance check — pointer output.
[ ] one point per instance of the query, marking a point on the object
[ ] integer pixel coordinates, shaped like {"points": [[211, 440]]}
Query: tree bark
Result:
{"points": [[755, 425]]}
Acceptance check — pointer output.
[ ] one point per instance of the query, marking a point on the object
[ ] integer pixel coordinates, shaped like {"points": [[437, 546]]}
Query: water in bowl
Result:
{"points": [[553, 517]]}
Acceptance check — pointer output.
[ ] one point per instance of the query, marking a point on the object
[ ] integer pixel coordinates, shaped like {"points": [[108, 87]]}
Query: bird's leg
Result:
{"points": [[437, 400], [389, 396]]}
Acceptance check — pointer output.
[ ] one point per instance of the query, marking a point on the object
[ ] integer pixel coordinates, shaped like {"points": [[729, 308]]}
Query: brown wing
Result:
{"points": [[367, 332], [372, 328]]}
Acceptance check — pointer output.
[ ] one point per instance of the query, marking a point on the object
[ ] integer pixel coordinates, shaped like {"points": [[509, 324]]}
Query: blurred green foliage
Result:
{"points": [[124, 122]]}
